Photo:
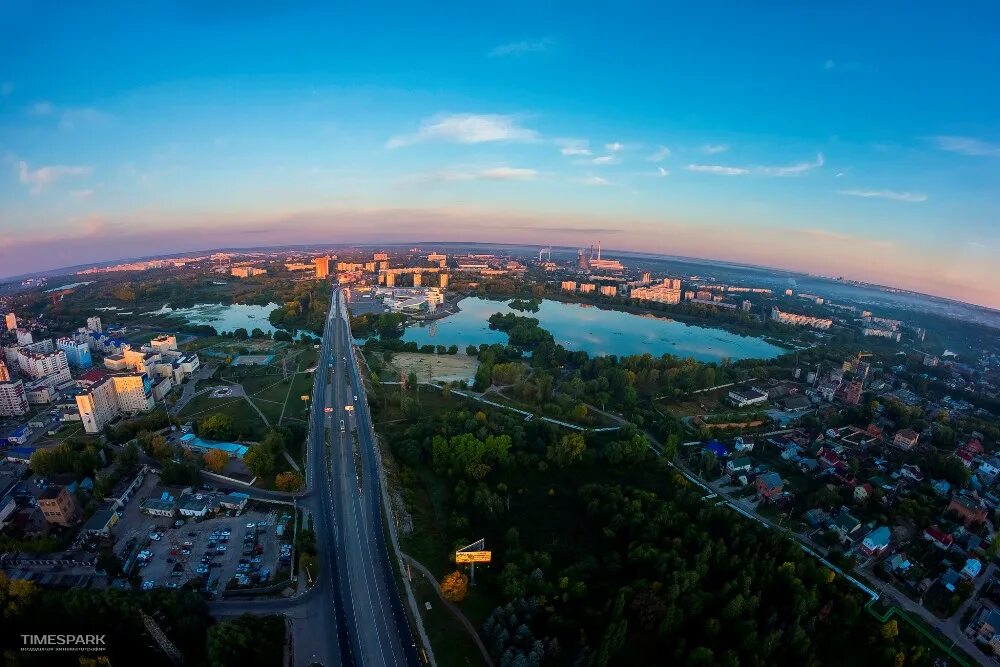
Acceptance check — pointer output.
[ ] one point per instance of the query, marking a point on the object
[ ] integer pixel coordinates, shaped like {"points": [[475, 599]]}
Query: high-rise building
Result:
{"points": [[247, 271], [800, 320], [440, 260], [44, 364], [747, 305], [322, 267], [94, 324], [129, 393], [568, 286], [77, 353], [11, 321], [443, 280], [669, 292], [13, 399], [24, 337]]}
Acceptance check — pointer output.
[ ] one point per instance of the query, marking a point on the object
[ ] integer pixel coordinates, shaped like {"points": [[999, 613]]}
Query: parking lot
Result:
{"points": [[212, 551]]}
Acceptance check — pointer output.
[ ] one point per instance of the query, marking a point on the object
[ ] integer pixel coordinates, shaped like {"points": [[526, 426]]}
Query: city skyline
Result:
{"points": [[760, 139]]}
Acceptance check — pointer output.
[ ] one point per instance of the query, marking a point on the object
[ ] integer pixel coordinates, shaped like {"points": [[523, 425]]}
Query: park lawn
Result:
{"points": [[246, 420]]}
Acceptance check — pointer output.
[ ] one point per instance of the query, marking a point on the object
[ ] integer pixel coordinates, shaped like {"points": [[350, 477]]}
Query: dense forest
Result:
{"points": [[602, 555]]}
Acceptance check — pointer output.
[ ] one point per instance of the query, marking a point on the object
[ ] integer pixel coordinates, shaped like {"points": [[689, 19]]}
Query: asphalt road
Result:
{"points": [[378, 628], [353, 615]]}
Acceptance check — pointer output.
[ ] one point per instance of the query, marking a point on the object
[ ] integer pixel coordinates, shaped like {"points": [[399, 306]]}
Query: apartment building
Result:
{"points": [[94, 324], [669, 292], [13, 398], [77, 352], [247, 271], [53, 365], [124, 394], [11, 321], [800, 320]]}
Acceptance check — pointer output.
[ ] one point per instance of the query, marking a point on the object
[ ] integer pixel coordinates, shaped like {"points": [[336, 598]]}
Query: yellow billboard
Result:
{"points": [[473, 556]]}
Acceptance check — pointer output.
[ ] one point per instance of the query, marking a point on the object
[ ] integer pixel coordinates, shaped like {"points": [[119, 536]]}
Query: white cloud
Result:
{"points": [[595, 180], [662, 172], [572, 147], [41, 178], [967, 146], [794, 169], [81, 194], [465, 129], [713, 149], [41, 109], [73, 117], [603, 159], [787, 170], [614, 147], [6, 88], [718, 169], [887, 194], [501, 173], [508, 174], [521, 48], [660, 155]]}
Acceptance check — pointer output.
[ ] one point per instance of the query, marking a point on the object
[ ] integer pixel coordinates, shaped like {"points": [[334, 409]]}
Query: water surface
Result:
{"points": [[224, 318], [595, 331]]}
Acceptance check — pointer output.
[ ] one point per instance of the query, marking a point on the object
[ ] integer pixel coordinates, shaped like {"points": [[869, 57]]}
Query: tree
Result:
{"points": [[240, 334], [217, 426], [455, 586], [247, 640], [567, 450], [288, 481], [411, 381], [260, 459], [216, 460]]}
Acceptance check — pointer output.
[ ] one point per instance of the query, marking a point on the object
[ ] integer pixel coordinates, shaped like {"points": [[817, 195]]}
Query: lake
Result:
{"points": [[224, 318], [594, 331]]}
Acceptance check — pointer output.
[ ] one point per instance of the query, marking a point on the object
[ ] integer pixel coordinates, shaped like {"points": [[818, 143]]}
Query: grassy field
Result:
{"points": [[248, 423]]}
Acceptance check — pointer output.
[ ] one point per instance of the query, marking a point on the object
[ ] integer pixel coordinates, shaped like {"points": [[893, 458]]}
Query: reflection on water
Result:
{"points": [[225, 319], [595, 331]]}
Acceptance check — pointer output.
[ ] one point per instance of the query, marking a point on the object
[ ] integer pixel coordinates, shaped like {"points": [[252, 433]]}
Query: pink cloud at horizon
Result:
{"points": [[96, 238]]}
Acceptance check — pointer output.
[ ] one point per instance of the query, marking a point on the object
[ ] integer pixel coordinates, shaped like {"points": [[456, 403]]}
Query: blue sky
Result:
{"points": [[843, 140]]}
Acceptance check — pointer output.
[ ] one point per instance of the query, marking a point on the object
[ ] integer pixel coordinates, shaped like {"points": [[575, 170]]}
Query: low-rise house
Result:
{"points": [[911, 472], [845, 525], [59, 506], [985, 627], [906, 439], [972, 568], [862, 492], [898, 563], [741, 465], [769, 485], [938, 537], [101, 522], [194, 505], [941, 486], [742, 398], [234, 501], [969, 508], [164, 507], [816, 517], [876, 541]]}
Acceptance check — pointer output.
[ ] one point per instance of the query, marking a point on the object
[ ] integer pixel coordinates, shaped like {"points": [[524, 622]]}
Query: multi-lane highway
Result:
{"points": [[353, 615]]}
